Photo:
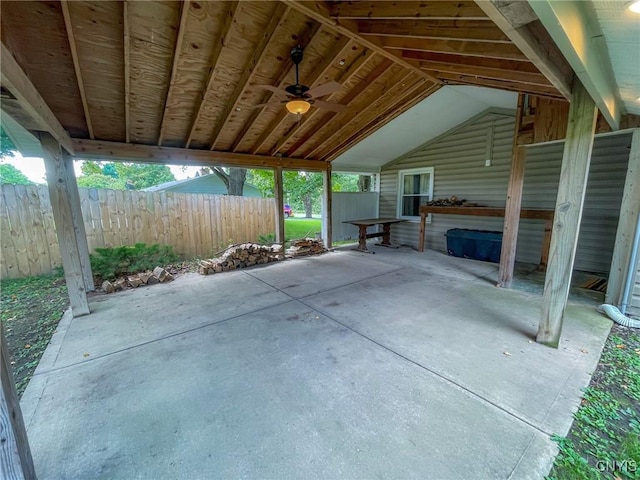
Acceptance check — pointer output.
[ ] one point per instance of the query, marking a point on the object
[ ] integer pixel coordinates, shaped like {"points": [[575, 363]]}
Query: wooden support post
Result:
{"points": [[514, 202], [78, 222], [59, 185], [327, 224], [15, 454], [574, 172], [629, 211], [277, 187]]}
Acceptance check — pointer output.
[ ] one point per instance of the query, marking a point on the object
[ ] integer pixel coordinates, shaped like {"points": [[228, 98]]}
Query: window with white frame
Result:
{"points": [[415, 188]]}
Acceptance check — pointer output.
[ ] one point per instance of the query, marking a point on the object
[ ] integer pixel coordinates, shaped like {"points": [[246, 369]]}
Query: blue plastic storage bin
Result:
{"points": [[477, 244]]}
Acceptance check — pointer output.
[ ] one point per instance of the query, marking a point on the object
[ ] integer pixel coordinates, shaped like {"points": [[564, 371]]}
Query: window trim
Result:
{"points": [[400, 195]]}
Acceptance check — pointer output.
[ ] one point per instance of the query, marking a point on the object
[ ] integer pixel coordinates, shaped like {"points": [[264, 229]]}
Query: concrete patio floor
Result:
{"points": [[346, 365]]}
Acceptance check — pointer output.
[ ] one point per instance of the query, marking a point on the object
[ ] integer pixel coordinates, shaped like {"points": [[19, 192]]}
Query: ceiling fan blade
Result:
{"points": [[322, 90], [268, 104], [334, 107], [276, 90]]}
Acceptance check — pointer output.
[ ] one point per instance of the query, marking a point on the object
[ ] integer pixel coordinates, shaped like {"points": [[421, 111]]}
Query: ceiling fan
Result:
{"points": [[298, 98]]}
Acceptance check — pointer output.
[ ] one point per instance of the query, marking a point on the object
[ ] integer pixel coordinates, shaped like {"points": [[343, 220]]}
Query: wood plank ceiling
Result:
{"points": [[184, 74]]}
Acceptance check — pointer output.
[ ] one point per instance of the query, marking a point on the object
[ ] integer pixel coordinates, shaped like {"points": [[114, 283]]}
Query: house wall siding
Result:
{"points": [[634, 304], [458, 159]]}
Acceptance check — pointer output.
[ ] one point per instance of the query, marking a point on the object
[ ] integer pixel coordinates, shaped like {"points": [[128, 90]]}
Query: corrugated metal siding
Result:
{"points": [[351, 206], [458, 160]]}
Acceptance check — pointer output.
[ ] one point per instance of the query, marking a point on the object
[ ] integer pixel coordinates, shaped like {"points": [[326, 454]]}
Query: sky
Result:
{"points": [[33, 168]]}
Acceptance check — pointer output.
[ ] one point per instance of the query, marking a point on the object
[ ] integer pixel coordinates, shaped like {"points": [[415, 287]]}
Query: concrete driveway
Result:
{"points": [[347, 365]]}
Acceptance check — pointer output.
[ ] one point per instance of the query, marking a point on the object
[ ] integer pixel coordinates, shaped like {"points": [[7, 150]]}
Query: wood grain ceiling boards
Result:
{"points": [[186, 74]]}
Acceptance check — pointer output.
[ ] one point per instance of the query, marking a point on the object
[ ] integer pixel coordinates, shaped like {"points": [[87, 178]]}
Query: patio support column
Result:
{"points": [[78, 222], [277, 187], [61, 181], [15, 453], [514, 202], [327, 225], [629, 211], [574, 172]]}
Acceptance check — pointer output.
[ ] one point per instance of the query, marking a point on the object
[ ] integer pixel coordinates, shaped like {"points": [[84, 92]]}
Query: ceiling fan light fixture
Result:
{"points": [[298, 107]]}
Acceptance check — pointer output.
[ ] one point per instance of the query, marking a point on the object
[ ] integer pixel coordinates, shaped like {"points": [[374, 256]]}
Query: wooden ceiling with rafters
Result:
{"points": [[185, 74]]}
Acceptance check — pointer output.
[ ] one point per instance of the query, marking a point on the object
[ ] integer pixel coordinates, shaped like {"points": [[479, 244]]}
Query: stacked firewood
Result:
{"points": [[305, 246], [240, 256], [452, 201], [158, 275]]}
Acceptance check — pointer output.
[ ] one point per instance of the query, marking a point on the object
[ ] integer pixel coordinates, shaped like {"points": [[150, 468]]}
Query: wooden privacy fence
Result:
{"points": [[196, 225]]}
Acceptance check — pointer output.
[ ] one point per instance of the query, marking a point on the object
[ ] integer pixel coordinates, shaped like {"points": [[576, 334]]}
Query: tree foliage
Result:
{"points": [[10, 174], [119, 176], [7, 148]]}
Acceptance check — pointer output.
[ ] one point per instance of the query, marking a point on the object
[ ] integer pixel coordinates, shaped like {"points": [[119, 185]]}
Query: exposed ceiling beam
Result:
{"points": [[506, 51], [344, 78], [351, 96], [320, 13], [495, 63], [391, 88], [184, 14], [572, 28], [14, 79], [127, 70], [487, 72], [408, 101], [76, 64], [318, 73], [407, 10], [223, 41], [533, 40], [127, 152], [471, 30], [307, 37], [277, 20], [503, 84]]}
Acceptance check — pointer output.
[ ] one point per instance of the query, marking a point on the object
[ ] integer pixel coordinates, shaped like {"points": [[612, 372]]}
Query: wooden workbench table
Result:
{"points": [[369, 222], [546, 215]]}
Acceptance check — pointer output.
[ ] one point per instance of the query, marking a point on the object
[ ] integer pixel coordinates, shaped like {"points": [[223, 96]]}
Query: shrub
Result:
{"points": [[110, 263]]}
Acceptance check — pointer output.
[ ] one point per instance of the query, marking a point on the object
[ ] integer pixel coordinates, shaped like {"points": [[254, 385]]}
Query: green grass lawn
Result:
{"points": [[297, 227]]}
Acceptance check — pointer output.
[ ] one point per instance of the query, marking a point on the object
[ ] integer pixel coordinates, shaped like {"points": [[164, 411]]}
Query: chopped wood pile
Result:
{"points": [[452, 201], [305, 246], [240, 256], [158, 275]]}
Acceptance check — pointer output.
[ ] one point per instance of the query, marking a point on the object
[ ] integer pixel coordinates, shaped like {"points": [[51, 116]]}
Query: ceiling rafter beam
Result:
{"points": [[408, 101], [14, 79], [307, 37], [320, 13], [487, 72], [277, 19], [506, 51], [76, 64], [344, 78], [495, 63], [127, 152], [184, 14], [127, 70], [392, 88], [503, 84], [585, 49], [532, 40], [477, 31], [351, 96], [313, 80], [223, 41], [406, 10]]}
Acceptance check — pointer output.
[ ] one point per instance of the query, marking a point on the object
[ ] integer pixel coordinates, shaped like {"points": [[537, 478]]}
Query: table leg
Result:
{"points": [[386, 234], [423, 221], [362, 238], [546, 243]]}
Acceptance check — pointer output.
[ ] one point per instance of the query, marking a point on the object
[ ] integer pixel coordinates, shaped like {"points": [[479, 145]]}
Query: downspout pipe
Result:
{"points": [[631, 271], [611, 311]]}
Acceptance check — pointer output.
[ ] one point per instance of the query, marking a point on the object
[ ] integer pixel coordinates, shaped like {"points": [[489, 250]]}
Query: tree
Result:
{"points": [[303, 186], [262, 180], [7, 148], [233, 178], [120, 176], [10, 174]]}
